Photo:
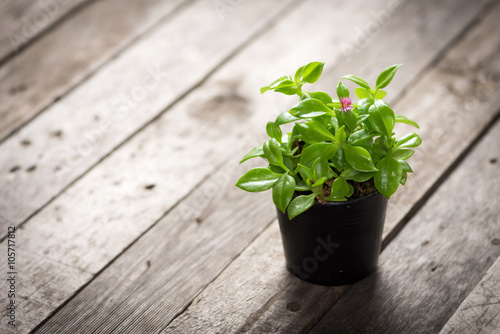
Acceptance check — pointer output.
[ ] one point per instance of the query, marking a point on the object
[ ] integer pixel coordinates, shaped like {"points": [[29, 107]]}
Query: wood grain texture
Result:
{"points": [[157, 278], [74, 229], [113, 217], [253, 287], [480, 311], [160, 279], [438, 258], [76, 132], [454, 124], [176, 175], [59, 61], [23, 20]]}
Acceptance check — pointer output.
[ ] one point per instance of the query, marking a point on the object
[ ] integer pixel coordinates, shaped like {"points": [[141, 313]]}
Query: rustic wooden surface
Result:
{"points": [[480, 311], [22, 21], [64, 57], [128, 218], [70, 137]]}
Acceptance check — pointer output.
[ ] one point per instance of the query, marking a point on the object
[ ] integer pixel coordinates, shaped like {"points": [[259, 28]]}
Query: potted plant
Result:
{"points": [[332, 174]]}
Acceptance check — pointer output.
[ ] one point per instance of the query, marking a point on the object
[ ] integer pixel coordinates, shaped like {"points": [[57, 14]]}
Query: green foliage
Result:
{"points": [[354, 142]]}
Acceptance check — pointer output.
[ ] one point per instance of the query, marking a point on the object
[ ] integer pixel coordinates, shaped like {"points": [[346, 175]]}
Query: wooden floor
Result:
{"points": [[121, 127]]}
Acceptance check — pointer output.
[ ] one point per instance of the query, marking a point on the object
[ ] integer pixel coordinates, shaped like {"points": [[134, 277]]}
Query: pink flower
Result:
{"points": [[346, 104]]}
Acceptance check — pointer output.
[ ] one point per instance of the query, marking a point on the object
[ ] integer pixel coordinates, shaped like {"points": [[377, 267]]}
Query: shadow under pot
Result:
{"points": [[336, 243]]}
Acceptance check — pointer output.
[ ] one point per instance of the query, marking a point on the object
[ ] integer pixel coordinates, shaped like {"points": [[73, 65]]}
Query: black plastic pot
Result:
{"points": [[335, 243]]}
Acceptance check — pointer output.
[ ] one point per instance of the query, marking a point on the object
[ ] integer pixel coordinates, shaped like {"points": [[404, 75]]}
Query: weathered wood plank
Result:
{"points": [[23, 20], [480, 311], [246, 313], [76, 132], [254, 286], [114, 283], [58, 62], [99, 218], [438, 258], [145, 288]]}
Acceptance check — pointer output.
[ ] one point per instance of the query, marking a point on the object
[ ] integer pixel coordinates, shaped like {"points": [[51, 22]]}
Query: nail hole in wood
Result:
{"points": [[15, 169], [293, 306], [17, 89], [56, 133]]}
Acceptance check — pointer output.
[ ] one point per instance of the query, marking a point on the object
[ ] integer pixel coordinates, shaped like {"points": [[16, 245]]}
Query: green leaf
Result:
{"points": [[340, 189], [364, 105], [323, 97], [404, 177], [406, 166], [264, 89], [355, 175], [272, 152], [338, 160], [257, 151], [349, 118], [282, 81], [298, 74], [359, 136], [257, 179], [277, 169], [288, 163], [329, 151], [319, 182], [310, 73], [312, 132], [321, 169], [310, 108], [301, 186], [357, 80], [284, 118], [380, 94], [312, 152], [388, 177], [340, 135], [401, 154], [286, 87], [386, 76], [405, 120], [409, 140], [335, 104], [283, 191], [382, 118], [362, 93], [342, 90], [274, 131], [300, 204], [305, 172], [359, 158]]}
